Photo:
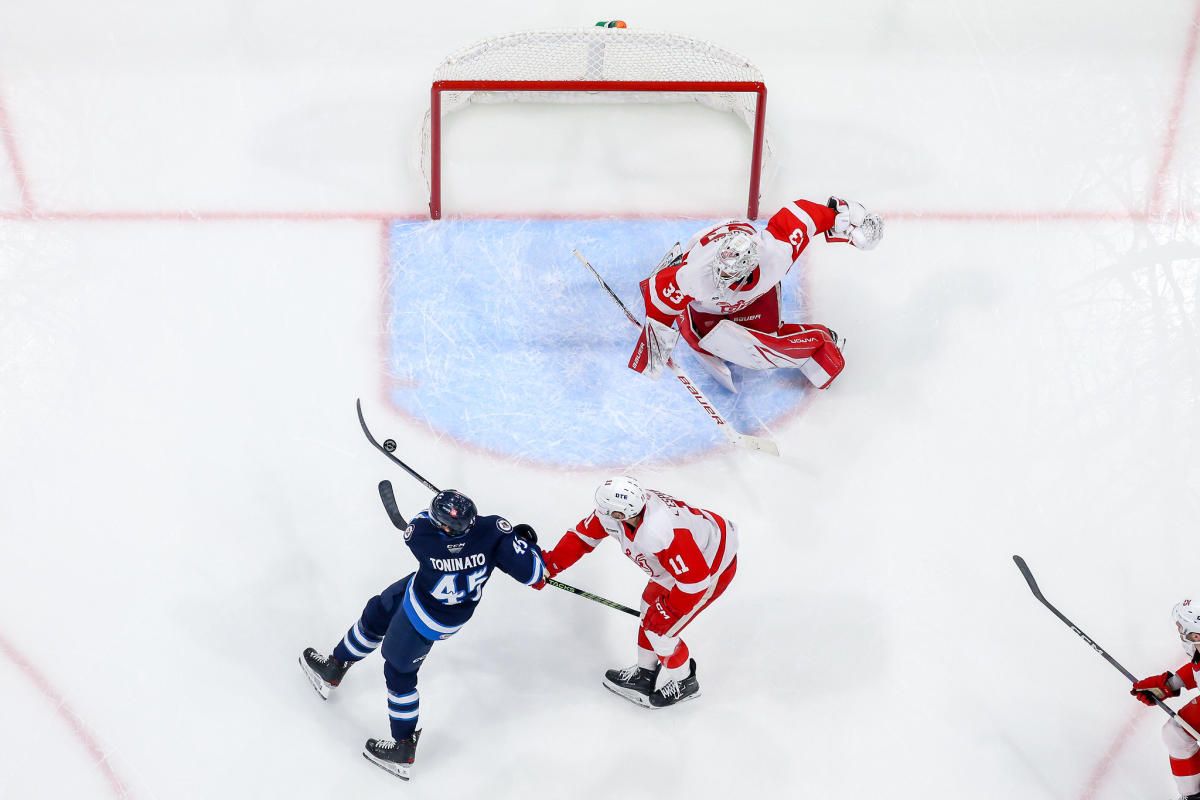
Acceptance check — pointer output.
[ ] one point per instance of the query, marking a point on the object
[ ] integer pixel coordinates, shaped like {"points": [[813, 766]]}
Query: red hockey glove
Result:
{"points": [[1157, 686], [660, 616]]}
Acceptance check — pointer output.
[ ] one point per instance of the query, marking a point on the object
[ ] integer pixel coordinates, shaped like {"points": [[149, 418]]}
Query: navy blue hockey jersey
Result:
{"points": [[449, 582]]}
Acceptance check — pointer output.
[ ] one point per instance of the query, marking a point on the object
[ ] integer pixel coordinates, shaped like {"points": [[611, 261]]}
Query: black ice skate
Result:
{"points": [[635, 683], [325, 672], [395, 757], [673, 692]]}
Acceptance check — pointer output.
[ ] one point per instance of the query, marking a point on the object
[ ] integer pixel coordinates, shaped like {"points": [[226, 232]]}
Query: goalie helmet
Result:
{"points": [[737, 257], [452, 511], [621, 497], [1187, 621]]}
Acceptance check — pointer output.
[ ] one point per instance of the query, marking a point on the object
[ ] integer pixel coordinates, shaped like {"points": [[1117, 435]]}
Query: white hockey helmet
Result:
{"points": [[621, 497], [737, 257], [1187, 621]]}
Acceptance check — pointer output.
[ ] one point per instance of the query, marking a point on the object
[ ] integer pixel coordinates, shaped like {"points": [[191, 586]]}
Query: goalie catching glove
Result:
{"points": [[654, 348], [854, 225]]}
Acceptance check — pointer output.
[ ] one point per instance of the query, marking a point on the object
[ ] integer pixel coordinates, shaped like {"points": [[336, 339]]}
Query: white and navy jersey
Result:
{"points": [[449, 582]]}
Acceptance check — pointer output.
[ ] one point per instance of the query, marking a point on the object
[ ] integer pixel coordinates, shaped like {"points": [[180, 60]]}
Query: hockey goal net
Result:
{"points": [[588, 65]]}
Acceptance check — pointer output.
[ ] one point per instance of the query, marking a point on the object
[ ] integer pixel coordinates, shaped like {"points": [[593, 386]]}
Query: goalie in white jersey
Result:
{"points": [[690, 556], [723, 287]]}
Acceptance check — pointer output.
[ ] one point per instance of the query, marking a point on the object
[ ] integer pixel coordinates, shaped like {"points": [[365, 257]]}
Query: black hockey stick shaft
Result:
{"points": [[389, 505], [1037, 592], [601, 600], [393, 511]]}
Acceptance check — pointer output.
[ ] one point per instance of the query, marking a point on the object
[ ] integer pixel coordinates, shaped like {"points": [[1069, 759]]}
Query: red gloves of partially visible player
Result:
{"points": [[1157, 686], [660, 616]]}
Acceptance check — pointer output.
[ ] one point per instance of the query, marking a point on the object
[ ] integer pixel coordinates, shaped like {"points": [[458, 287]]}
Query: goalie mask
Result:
{"points": [[737, 257], [1187, 621], [620, 498]]}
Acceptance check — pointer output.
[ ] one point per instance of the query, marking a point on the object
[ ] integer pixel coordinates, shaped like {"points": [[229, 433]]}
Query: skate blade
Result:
{"points": [[677, 702], [637, 698], [401, 771], [322, 688]]}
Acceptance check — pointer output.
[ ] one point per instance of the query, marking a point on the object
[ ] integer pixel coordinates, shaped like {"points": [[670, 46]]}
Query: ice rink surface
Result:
{"points": [[200, 210]]}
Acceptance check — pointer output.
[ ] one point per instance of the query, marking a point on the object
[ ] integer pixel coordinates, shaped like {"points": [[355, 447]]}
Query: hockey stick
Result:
{"points": [[393, 511], [601, 600], [740, 439], [389, 505], [381, 448], [1033, 587]]}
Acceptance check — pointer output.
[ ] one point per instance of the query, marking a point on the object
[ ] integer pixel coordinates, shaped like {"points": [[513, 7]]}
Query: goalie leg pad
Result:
{"points": [[811, 350]]}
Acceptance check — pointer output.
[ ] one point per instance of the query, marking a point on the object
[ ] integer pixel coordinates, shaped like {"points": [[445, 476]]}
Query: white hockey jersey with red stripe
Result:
{"points": [[679, 547], [691, 282]]}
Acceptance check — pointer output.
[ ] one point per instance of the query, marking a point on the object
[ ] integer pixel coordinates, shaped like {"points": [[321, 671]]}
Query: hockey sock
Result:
{"points": [[646, 657], [676, 665], [403, 710], [404, 702], [357, 644], [1184, 753], [1187, 774]]}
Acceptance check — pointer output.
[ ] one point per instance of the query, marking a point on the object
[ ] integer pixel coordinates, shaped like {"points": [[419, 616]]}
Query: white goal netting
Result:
{"points": [[596, 54]]}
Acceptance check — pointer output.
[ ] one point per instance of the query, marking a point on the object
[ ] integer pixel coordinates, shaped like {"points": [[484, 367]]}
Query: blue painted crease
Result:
{"points": [[499, 338]]}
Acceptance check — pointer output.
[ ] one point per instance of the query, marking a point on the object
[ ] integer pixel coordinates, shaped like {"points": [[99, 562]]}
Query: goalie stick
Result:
{"points": [[745, 440], [393, 511], [1033, 587]]}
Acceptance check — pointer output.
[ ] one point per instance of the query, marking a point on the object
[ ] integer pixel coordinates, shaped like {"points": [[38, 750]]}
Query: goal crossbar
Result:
{"points": [[438, 87]]}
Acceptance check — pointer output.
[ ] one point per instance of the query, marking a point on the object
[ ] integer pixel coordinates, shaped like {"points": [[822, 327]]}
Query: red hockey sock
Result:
{"points": [[1186, 767], [677, 659]]}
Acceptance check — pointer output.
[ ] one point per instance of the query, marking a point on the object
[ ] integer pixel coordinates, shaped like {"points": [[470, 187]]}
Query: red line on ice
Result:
{"points": [[1104, 766], [14, 157], [399, 216], [68, 715], [1181, 89]]}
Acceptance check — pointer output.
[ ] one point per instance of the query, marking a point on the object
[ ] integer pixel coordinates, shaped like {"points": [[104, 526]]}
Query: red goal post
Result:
{"points": [[596, 65]]}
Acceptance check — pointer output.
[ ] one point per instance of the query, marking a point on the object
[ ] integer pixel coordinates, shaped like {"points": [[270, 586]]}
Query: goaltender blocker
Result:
{"points": [[723, 287]]}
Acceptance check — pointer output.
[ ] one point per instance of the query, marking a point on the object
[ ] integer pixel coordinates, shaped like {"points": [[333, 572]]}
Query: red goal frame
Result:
{"points": [[435, 117]]}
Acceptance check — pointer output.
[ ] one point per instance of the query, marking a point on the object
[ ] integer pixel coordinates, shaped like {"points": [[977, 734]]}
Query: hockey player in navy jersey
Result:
{"points": [[456, 551]]}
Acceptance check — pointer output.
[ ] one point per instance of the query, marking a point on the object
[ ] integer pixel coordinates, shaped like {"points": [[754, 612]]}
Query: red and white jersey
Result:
{"points": [[675, 544], [692, 281]]}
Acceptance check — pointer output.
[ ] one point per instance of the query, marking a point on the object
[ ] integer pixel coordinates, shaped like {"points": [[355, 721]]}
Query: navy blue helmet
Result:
{"points": [[453, 511]]}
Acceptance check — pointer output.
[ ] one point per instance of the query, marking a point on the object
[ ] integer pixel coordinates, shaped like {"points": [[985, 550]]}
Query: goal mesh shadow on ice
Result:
{"points": [[498, 338]]}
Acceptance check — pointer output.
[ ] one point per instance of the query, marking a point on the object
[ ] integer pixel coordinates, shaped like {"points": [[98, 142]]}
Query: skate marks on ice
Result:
{"points": [[498, 338]]}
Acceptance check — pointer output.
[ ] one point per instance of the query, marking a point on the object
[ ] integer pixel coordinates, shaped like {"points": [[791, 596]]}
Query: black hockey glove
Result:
{"points": [[526, 532]]}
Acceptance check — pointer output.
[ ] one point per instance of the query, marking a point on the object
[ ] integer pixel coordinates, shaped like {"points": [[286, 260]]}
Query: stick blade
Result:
{"points": [[759, 443], [1029, 579], [388, 497]]}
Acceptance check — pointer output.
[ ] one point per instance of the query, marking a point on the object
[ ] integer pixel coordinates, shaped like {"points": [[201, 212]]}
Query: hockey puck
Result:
{"points": [[389, 445]]}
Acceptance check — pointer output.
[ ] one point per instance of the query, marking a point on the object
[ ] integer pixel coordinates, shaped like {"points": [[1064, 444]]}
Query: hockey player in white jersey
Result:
{"points": [[690, 556], [723, 288], [1182, 748]]}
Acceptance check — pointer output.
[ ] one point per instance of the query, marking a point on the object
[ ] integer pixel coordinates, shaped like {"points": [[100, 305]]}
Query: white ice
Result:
{"points": [[186, 500]]}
